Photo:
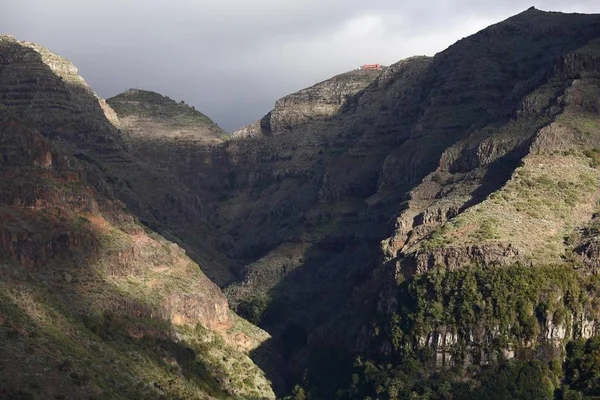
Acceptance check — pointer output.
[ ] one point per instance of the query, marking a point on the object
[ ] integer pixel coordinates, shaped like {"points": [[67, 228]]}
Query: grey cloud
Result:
{"points": [[233, 58]]}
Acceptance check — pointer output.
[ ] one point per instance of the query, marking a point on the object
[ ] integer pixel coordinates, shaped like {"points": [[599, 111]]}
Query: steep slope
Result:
{"points": [[511, 273], [488, 233], [318, 102], [92, 302], [86, 288], [428, 140], [46, 89]]}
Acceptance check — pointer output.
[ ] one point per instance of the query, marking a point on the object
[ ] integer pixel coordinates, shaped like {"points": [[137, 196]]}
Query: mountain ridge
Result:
{"points": [[441, 217], [458, 99]]}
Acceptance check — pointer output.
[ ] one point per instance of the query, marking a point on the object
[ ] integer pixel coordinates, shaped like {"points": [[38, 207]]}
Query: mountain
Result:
{"points": [[94, 304], [46, 89], [155, 116], [425, 231], [477, 161], [152, 121]]}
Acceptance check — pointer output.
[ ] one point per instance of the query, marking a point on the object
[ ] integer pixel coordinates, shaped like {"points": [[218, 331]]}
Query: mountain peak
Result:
{"points": [[161, 117], [142, 95]]}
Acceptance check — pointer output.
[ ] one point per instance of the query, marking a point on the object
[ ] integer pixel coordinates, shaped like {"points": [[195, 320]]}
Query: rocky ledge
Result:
{"points": [[318, 102]]}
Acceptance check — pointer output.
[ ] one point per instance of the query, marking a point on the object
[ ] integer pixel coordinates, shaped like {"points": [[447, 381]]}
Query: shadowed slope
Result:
{"points": [[44, 88]]}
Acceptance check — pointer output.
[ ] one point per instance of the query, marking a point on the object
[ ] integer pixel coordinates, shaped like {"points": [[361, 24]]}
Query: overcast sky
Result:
{"points": [[233, 59]]}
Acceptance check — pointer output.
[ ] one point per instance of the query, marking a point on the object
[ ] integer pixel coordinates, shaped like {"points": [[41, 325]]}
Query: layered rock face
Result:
{"points": [[58, 87], [44, 88], [40, 183], [522, 194], [319, 102], [94, 303]]}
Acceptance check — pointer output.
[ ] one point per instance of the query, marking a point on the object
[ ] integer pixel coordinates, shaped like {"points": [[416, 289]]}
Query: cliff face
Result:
{"points": [[319, 102], [516, 197], [441, 134], [44, 191], [44, 88], [93, 303]]}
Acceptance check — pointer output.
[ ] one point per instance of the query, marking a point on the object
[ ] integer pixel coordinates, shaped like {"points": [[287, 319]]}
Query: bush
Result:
{"points": [[594, 156], [582, 366], [254, 308]]}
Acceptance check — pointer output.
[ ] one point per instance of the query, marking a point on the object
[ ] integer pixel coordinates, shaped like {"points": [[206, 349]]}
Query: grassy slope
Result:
{"points": [[150, 104], [551, 194]]}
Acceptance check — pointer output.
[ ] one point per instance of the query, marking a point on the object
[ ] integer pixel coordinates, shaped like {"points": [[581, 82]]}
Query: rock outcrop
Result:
{"points": [[319, 102], [150, 117]]}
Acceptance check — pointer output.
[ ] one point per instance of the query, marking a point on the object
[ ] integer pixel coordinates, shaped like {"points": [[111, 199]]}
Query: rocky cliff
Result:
{"points": [[44, 88], [93, 302], [318, 102]]}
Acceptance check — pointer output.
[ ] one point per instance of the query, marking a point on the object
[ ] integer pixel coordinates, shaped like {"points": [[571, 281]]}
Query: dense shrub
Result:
{"points": [[253, 309]]}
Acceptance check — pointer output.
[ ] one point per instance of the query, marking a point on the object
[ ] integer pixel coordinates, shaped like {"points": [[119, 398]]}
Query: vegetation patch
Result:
{"points": [[546, 198], [514, 305]]}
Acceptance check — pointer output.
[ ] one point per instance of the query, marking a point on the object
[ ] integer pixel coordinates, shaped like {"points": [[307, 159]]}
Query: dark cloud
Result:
{"points": [[233, 58]]}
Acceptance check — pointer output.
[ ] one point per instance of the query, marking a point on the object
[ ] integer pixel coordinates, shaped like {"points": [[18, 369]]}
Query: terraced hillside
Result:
{"points": [[94, 304]]}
